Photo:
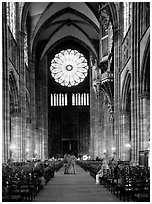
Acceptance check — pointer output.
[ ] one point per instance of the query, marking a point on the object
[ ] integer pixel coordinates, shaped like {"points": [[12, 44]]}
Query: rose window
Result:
{"points": [[69, 67]]}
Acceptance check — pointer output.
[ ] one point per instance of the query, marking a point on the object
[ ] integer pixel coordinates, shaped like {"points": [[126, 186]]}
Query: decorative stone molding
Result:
{"points": [[95, 76], [107, 76], [96, 85], [103, 82], [111, 108], [144, 95], [104, 15], [106, 36], [107, 84], [103, 66]]}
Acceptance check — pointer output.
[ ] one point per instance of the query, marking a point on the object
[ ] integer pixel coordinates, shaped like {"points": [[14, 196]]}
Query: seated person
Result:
{"points": [[42, 179], [100, 173]]}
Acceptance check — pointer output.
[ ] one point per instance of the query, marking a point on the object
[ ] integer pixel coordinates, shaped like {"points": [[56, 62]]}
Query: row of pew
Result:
{"points": [[129, 183], [22, 182]]}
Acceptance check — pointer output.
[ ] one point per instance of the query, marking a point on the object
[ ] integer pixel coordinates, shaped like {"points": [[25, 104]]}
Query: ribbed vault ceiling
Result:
{"points": [[53, 22]]}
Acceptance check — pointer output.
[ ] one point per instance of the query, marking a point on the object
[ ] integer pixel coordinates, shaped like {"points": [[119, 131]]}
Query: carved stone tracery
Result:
{"points": [[103, 82], [104, 15]]}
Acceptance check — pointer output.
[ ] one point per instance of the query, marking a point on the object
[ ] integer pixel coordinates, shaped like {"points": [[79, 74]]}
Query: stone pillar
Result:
{"points": [[44, 107], [34, 134], [94, 128], [29, 141], [125, 136], [145, 119], [108, 130], [5, 88], [118, 36], [22, 97], [38, 144], [105, 133], [135, 109], [93, 104], [113, 139], [100, 126], [110, 140], [15, 139]]}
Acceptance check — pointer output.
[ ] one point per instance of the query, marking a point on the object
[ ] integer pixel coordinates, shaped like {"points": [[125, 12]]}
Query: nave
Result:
{"points": [[76, 79], [80, 187]]}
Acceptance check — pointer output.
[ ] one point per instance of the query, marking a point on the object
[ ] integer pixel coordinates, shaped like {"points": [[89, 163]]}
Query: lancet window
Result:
{"points": [[59, 99], [11, 17], [127, 16], [80, 99]]}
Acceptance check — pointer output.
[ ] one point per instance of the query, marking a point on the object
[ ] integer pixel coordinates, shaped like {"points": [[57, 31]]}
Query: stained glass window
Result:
{"points": [[11, 17], [25, 49], [59, 99], [80, 99], [69, 67], [127, 16]]}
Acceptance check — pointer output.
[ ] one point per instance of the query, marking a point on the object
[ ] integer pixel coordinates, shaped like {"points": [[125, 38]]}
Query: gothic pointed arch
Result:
{"points": [[126, 138], [64, 40], [24, 13], [145, 71], [126, 92]]}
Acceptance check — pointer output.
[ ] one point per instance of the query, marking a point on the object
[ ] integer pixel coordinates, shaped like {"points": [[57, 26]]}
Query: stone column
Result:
{"points": [[38, 144], [5, 92], [94, 128], [22, 97], [44, 106], [29, 141], [125, 136], [105, 135], [135, 111], [93, 103], [145, 119], [111, 145], [113, 139], [100, 125], [33, 105], [15, 139], [118, 36]]}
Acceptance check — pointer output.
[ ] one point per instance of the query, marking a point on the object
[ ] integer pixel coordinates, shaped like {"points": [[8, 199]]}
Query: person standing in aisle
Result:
{"points": [[65, 164], [72, 161]]}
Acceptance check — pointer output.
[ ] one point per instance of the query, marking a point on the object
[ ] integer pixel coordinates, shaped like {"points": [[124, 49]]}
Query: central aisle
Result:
{"points": [[79, 187]]}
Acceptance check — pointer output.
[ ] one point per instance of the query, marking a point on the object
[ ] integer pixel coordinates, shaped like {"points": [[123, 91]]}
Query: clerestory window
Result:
{"points": [[127, 16], [11, 17]]}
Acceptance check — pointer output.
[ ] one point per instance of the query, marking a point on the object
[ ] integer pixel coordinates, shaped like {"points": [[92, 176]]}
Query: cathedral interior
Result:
{"points": [[76, 78]]}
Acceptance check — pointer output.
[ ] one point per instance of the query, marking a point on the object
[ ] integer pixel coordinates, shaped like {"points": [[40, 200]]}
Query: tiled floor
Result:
{"points": [[80, 187]]}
